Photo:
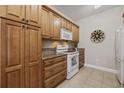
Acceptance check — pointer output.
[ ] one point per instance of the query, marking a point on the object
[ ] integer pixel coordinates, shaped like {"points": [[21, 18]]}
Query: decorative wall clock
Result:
{"points": [[97, 36]]}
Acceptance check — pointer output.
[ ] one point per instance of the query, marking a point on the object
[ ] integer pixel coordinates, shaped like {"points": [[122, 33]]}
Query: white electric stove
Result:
{"points": [[72, 60]]}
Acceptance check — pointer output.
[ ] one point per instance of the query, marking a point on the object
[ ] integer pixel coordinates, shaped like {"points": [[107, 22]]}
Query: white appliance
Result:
{"points": [[72, 60], [120, 54], [65, 34]]}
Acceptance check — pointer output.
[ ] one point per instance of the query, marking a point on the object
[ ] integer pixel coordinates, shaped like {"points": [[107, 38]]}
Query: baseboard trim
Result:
{"points": [[101, 68]]}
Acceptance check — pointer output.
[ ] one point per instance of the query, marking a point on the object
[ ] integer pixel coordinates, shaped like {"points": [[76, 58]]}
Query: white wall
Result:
{"points": [[102, 54]]}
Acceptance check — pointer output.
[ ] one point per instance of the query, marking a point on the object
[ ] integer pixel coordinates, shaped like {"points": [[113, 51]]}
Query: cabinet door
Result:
{"points": [[33, 15], [68, 25], [12, 49], [33, 57], [77, 34], [15, 12], [56, 26], [51, 24], [45, 23], [73, 33], [63, 23]]}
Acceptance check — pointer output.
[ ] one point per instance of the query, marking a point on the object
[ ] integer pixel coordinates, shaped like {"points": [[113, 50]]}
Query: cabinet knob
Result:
{"points": [[27, 27], [23, 26], [23, 19], [27, 21]]}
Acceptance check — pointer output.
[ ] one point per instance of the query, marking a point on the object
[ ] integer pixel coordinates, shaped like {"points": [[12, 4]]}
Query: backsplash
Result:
{"points": [[53, 44], [49, 46]]}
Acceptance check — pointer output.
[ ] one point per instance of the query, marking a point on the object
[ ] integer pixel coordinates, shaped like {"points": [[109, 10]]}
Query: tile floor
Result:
{"points": [[91, 78]]}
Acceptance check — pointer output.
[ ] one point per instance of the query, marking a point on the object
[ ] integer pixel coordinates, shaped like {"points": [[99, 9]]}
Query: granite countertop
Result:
{"points": [[52, 56]]}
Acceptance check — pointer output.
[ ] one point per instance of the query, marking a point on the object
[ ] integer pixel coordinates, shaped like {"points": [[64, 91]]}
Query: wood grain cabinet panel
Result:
{"points": [[29, 14], [81, 57], [55, 80], [12, 61], [50, 71], [51, 24], [15, 12], [33, 15], [68, 25], [45, 23], [75, 33], [33, 57], [57, 25], [63, 23], [55, 70]]}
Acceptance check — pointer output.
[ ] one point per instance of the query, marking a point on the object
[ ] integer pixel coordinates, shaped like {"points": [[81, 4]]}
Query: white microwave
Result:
{"points": [[65, 34]]}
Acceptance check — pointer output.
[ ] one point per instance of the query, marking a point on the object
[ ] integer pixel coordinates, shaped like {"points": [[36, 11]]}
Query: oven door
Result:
{"points": [[73, 62]]}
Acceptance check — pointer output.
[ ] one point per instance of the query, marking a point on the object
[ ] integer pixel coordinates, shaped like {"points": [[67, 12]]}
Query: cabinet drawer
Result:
{"points": [[54, 69], [54, 60], [55, 80]]}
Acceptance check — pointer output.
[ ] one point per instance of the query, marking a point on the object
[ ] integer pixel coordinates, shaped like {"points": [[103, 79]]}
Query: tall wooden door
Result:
{"points": [[56, 26], [15, 12], [12, 52], [33, 15], [33, 57], [45, 23]]}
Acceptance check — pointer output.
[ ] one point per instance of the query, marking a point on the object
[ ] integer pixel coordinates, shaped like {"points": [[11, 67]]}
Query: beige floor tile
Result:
{"points": [[91, 78]]}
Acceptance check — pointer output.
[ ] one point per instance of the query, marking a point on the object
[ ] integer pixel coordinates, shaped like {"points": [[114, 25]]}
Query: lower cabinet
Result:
{"points": [[55, 71], [20, 55], [81, 57]]}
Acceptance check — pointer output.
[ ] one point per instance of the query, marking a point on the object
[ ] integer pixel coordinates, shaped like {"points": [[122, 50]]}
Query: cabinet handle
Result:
{"points": [[23, 19], [23, 26], [27, 21], [26, 27]]}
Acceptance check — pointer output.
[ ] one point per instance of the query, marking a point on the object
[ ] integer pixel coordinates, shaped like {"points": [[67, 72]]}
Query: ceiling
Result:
{"points": [[77, 12]]}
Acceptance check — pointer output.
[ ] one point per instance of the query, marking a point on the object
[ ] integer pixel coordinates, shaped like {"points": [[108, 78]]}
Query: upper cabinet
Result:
{"points": [[33, 15], [75, 31], [45, 23], [77, 34], [63, 23], [52, 22], [56, 27], [22, 13], [68, 25]]}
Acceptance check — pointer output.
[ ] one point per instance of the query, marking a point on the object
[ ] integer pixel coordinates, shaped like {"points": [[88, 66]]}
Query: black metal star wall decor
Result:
{"points": [[97, 36]]}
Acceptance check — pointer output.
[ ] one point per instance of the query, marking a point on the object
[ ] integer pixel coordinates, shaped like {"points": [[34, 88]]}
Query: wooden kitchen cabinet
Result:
{"points": [[13, 12], [29, 14], [51, 16], [50, 24], [20, 55], [12, 54], [33, 15], [68, 25], [55, 71], [33, 57], [56, 28], [75, 33], [81, 57], [63, 23], [45, 23]]}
